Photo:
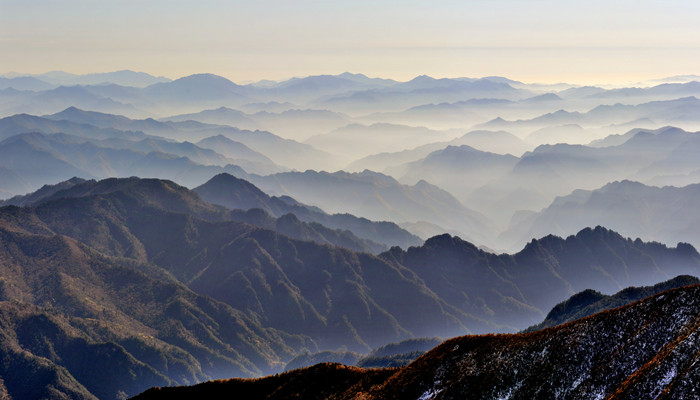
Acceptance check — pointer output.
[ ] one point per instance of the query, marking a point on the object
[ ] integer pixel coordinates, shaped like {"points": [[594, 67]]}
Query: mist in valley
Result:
{"points": [[480, 158], [330, 216]]}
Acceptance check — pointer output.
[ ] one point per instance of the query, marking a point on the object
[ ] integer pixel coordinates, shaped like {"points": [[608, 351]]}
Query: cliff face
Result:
{"points": [[647, 350]]}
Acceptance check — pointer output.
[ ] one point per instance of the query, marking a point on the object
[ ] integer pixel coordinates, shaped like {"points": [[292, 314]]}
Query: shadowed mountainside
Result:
{"points": [[589, 301], [234, 193], [181, 200], [379, 197], [147, 265], [653, 356]]}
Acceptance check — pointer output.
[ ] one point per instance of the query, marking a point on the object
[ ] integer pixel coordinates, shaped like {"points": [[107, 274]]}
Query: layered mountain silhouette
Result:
{"points": [[147, 265], [500, 190], [56, 99], [111, 283], [24, 83], [36, 158], [287, 223], [419, 91], [351, 140], [589, 301], [137, 94], [123, 78], [283, 151], [663, 214], [298, 124], [235, 193], [234, 150], [674, 110], [379, 197], [458, 169], [95, 145], [396, 163], [469, 112], [549, 171], [652, 355]]}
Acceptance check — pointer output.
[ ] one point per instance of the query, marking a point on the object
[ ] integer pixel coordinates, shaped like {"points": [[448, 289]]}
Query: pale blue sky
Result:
{"points": [[541, 40]]}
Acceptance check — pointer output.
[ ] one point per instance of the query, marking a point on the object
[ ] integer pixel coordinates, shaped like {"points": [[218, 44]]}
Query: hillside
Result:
{"points": [[183, 293], [653, 356], [76, 321], [234, 193], [589, 302], [171, 197], [167, 232]]}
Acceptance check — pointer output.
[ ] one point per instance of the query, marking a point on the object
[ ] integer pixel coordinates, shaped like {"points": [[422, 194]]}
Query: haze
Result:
{"points": [[543, 41]]}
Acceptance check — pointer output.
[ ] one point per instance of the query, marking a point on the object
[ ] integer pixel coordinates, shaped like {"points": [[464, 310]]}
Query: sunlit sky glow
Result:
{"points": [[535, 41]]}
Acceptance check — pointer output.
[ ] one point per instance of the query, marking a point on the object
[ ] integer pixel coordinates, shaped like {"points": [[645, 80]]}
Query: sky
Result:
{"points": [[594, 41]]}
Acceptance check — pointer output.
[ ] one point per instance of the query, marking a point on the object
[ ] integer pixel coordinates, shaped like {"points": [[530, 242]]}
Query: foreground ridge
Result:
{"points": [[648, 349]]}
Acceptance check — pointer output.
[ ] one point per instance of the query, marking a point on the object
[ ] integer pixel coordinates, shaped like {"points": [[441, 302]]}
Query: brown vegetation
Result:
{"points": [[647, 349]]}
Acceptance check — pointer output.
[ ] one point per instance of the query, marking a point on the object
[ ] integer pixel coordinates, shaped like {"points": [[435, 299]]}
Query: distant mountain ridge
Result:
{"points": [[589, 302], [124, 149], [664, 214], [186, 94], [494, 186], [379, 197], [123, 78], [232, 192]]}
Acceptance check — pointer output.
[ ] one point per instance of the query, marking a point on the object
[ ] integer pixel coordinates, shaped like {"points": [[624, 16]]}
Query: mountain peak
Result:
{"points": [[229, 181], [440, 240], [203, 77], [597, 232], [423, 78], [624, 184], [234, 193]]}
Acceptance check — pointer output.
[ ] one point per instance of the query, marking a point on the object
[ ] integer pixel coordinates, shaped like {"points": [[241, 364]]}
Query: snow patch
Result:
{"points": [[508, 394], [429, 394], [577, 382], [668, 377], [600, 395]]}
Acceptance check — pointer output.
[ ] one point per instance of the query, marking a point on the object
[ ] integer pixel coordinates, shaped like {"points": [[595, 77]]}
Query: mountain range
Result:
{"points": [[580, 305], [297, 124], [599, 121], [146, 267], [424, 188], [539, 176], [653, 356], [284, 151], [203, 91], [123, 78], [159, 232], [379, 197], [90, 145], [652, 213], [235, 193], [395, 163], [351, 141]]}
